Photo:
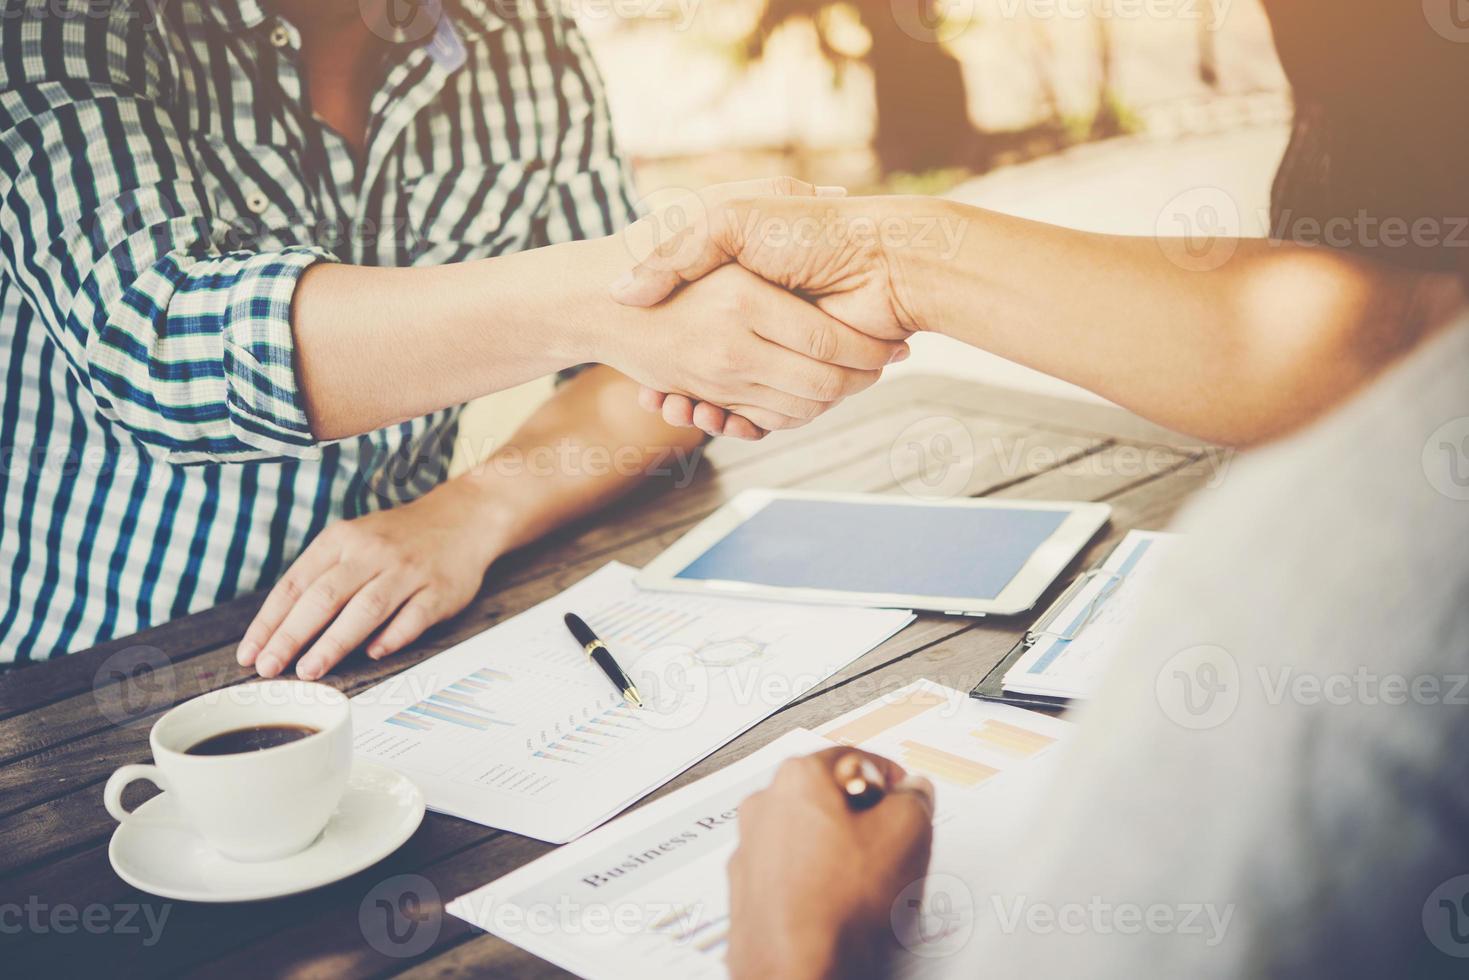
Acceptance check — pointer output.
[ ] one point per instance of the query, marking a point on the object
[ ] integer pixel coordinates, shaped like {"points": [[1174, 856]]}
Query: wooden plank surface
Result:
{"points": [[65, 726]]}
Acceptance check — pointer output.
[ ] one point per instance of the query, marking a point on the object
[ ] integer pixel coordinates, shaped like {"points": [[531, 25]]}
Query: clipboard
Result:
{"points": [[991, 686]]}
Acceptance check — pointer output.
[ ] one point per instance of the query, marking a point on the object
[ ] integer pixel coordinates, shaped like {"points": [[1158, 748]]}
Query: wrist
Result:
{"points": [[812, 953], [556, 295], [488, 517], [922, 240], [592, 320]]}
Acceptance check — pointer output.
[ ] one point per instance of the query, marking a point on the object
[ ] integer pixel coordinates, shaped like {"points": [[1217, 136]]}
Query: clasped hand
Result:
{"points": [[804, 240]]}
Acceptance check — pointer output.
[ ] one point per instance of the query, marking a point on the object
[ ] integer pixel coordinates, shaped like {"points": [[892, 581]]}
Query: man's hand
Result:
{"points": [[812, 884], [829, 249], [744, 344], [381, 579]]}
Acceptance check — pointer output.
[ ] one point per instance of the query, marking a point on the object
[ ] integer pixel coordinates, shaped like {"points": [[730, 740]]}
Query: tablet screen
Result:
{"points": [[852, 547]]}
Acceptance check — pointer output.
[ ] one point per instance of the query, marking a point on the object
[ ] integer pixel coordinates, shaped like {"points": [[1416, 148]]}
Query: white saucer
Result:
{"points": [[159, 854]]}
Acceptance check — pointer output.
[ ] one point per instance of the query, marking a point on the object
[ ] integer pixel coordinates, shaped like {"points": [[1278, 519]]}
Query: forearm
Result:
{"points": [[1237, 354], [587, 446], [376, 346]]}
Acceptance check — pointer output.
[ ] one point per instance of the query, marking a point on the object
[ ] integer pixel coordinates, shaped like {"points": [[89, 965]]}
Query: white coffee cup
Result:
{"points": [[258, 805]]}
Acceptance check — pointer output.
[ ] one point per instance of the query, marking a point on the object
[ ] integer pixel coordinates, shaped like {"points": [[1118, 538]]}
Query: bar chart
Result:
{"points": [[580, 743], [1012, 739], [644, 622], [962, 744], [466, 702], [884, 717], [948, 767]]}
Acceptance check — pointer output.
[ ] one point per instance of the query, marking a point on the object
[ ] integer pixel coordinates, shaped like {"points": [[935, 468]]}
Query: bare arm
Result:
{"points": [[1237, 354], [376, 346], [587, 446]]}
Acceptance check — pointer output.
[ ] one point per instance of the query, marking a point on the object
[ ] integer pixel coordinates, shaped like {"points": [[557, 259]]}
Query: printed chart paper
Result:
{"points": [[647, 895], [516, 728]]}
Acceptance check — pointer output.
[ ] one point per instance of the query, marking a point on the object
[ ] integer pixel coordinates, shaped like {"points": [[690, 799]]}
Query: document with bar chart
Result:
{"points": [[644, 896], [647, 895], [515, 728], [988, 762]]}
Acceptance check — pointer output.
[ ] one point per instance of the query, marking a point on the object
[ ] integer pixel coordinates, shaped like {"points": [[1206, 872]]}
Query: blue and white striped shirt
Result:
{"points": [[163, 185]]}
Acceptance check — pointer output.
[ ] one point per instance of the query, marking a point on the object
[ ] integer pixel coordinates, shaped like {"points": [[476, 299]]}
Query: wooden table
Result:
{"points": [[66, 725]]}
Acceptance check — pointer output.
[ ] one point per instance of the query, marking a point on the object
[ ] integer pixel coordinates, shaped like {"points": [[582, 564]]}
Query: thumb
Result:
{"points": [[696, 234]]}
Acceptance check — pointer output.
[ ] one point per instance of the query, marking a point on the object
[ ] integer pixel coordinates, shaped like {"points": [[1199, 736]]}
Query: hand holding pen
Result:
{"points": [[864, 781], [874, 825]]}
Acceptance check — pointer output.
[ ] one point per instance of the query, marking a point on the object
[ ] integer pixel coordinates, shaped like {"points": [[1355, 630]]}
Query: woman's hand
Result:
{"points": [[387, 576], [839, 252], [842, 252], [752, 347], [812, 884]]}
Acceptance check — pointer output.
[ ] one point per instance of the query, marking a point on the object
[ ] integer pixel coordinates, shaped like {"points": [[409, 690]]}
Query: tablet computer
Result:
{"points": [[956, 556]]}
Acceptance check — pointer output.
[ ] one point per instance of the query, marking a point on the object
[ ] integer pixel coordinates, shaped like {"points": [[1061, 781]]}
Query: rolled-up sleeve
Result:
{"points": [[105, 229]]}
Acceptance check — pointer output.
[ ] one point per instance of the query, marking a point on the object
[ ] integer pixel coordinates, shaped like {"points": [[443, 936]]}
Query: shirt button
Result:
{"points": [[257, 202], [279, 36]]}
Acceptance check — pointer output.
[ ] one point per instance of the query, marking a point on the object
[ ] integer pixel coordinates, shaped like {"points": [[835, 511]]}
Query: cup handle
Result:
{"points": [[120, 780]]}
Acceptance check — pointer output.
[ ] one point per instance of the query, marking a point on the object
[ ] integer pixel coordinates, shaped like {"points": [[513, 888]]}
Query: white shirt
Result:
{"points": [[1275, 780]]}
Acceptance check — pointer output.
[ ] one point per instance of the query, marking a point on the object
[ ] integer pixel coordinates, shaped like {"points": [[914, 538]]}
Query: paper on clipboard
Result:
{"points": [[1073, 645]]}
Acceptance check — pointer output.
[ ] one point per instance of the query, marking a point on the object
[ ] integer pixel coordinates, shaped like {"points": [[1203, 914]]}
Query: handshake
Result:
{"points": [[799, 297]]}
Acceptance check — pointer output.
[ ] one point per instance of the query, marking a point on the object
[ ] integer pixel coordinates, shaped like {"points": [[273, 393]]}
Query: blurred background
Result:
{"points": [[1098, 114]]}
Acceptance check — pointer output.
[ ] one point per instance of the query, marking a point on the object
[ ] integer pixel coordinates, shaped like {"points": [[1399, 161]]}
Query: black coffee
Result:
{"points": [[251, 739]]}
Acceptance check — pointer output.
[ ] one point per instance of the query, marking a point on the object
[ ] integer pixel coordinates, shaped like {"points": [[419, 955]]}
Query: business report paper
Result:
{"points": [[647, 895], [516, 728], [644, 896], [987, 762]]}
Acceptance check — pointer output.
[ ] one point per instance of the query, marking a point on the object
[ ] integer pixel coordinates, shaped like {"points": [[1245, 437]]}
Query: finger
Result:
{"points": [[651, 399], [317, 607], [372, 606], [764, 419], [678, 410], [765, 404], [314, 561], [420, 612], [782, 410], [806, 380], [891, 773], [739, 427], [823, 338], [647, 286], [800, 410], [682, 254], [902, 823], [920, 788], [710, 418], [860, 779]]}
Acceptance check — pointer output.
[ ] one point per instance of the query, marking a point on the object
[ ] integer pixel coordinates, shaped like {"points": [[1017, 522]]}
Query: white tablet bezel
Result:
{"points": [[1020, 594]]}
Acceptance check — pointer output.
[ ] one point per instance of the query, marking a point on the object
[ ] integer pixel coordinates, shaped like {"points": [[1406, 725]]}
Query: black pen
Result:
{"points": [[602, 657], [862, 783]]}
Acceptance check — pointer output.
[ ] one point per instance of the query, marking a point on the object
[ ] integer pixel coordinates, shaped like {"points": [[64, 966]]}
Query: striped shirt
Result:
{"points": [[163, 185]]}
